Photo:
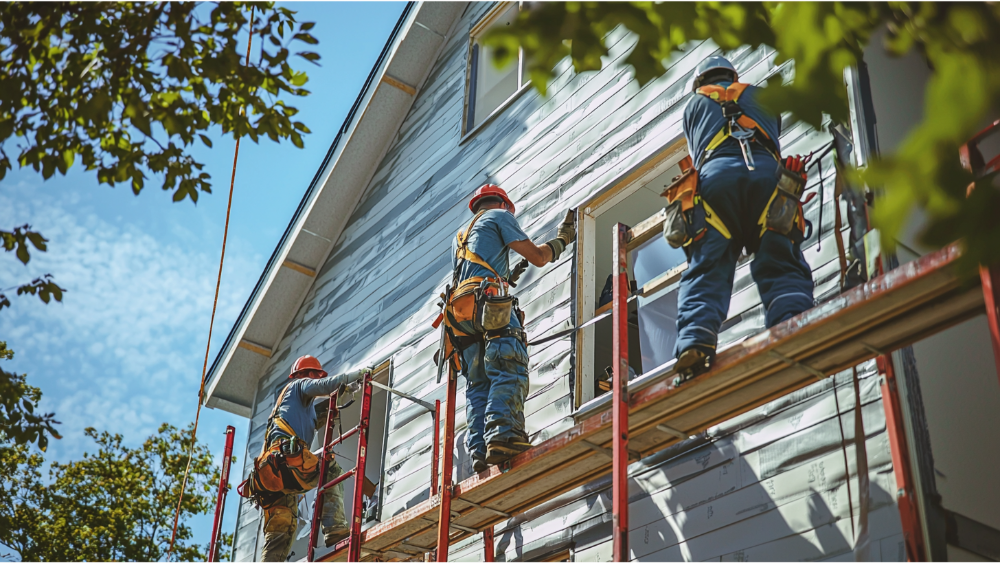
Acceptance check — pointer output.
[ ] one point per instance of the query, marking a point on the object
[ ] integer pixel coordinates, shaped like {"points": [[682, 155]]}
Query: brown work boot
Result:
{"points": [[479, 464], [499, 451], [692, 362], [335, 534]]}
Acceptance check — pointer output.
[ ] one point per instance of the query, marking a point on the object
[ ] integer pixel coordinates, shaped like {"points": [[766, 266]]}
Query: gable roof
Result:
{"points": [[334, 192]]}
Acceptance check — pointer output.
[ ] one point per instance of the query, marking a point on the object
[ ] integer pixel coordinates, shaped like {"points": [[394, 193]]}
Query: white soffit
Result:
{"points": [[325, 209]]}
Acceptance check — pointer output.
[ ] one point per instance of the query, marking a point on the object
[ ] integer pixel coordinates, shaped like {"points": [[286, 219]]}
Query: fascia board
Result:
{"points": [[352, 131], [266, 284]]}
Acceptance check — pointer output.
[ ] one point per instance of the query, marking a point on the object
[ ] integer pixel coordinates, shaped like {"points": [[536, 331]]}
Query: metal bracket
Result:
{"points": [[632, 454], [803, 367], [874, 350], [420, 402], [486, 508], [465, 529], [672, 431]]}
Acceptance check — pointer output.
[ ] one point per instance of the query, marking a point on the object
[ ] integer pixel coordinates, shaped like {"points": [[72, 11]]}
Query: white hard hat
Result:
{"points": [[710, 64]]}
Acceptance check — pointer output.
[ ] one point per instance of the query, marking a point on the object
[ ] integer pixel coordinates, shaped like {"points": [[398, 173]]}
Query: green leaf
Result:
{"points": [[206, 140]]}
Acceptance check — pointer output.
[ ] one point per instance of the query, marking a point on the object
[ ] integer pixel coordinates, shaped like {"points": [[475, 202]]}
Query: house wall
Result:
{"points": [[956, 374], [376, 296]]}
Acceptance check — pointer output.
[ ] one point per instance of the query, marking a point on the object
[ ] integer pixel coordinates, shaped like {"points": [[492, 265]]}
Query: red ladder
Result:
{"points": [[220, 499], [353, 541]]}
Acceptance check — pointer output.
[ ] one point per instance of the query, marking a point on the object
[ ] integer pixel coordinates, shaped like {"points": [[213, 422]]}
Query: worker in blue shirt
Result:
{"points": [[494, 362], [733, 145], [294, 420]]}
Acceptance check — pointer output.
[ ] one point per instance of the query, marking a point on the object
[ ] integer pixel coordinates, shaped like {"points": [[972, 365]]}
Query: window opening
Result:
{"points": [[651, 319], [487, 87]]}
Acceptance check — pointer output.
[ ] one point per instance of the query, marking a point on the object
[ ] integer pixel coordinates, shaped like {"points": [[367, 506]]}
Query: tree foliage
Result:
{"points": [[19, 423], [958, 41], [126, 89], [116, 504]]}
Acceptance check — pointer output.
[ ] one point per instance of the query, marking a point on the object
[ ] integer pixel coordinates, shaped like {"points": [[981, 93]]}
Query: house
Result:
{"points": [[355, 280]]}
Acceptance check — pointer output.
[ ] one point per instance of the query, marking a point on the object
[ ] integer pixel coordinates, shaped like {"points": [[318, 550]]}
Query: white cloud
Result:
{"points": [[124, 350]]}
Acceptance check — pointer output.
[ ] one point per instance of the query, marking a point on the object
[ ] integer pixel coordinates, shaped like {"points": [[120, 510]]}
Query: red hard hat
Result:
{"points": [[490, 190], [306, 363]]}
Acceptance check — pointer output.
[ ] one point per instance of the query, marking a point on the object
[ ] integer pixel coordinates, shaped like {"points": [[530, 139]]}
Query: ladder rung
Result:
{"points": [[335, 482]]}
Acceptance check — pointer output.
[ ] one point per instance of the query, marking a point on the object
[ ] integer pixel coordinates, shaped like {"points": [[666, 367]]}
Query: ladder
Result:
{"points": [[351, 546], [220, 498], [353, 542]]}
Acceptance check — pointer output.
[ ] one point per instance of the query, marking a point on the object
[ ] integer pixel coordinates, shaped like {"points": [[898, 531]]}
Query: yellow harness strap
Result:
{"points": [[464, 253], [721, 95], [275, 419]]}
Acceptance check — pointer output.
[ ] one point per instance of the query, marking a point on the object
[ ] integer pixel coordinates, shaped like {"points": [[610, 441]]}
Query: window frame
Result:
{"points": [[472, 63], [586, 255]]}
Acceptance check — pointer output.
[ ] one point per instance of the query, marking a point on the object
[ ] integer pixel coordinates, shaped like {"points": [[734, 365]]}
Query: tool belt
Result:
{"points": [[285, 465], [485, 303], [784, 210], [688, 215]]}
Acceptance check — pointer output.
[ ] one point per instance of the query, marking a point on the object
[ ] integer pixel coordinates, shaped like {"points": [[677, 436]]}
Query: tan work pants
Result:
{"points": [[281, 520]]}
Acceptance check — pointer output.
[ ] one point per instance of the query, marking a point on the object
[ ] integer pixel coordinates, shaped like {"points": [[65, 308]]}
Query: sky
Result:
{"points": [[124, 350]]}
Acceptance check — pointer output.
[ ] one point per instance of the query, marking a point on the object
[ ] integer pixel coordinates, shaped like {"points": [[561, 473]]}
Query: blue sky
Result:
{"points": [[124, 350]]}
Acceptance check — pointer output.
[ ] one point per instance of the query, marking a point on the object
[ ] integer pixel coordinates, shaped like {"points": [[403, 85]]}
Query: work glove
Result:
{"points": [[557, 245], [515, 274], [567, 230]]}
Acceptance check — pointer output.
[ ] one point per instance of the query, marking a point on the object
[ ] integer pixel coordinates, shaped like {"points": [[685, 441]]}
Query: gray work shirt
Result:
{"points": [[296, 406]]}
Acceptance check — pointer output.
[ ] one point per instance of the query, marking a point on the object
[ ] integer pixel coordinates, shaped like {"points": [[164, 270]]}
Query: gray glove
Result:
{"points": [[515, 274], [557, 245]]}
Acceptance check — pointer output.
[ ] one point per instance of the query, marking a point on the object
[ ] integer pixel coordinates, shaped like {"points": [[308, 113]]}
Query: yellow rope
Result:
{"points": [[211, 323]]}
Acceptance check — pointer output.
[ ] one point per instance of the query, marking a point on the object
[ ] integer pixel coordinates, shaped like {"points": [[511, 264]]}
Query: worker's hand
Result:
{"points": [[797, 164], [354, 387], [567, 230], [515, 274]]}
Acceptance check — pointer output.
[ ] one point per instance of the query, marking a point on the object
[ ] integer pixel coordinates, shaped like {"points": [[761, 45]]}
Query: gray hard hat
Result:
{"points": [[710, 64]]}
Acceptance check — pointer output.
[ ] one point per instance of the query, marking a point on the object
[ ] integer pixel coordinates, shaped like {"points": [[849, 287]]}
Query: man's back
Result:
{"points": [[490, 237], [703, 119], [296, 405]]}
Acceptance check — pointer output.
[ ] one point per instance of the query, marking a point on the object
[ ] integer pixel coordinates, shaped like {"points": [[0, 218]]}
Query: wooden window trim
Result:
{"points": [[586, 263]]}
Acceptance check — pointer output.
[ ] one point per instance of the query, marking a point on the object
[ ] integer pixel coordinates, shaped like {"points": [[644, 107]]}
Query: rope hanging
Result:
{"points": [[211, 323]]}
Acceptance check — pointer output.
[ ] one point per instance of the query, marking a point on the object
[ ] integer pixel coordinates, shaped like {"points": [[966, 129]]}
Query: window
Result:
{"points": [[487, 87], [653, 266]]}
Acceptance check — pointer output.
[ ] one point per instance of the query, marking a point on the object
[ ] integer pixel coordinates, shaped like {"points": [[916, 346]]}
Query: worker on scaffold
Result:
{"points": [[291, 428], [738, 195], [485, 326]]}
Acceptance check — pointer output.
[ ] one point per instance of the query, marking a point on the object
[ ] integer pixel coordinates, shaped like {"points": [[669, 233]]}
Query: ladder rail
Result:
{"points": [[220, 499], [331, 415], [620, 403]]}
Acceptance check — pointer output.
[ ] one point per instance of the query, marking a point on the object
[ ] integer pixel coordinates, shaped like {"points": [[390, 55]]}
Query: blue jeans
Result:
{"points": [[496, 375], [784, 279]]}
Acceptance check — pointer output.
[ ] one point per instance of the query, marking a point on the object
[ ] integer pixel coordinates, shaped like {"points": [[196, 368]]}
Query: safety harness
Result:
{"points": [[285, 464], [483, 301], [688, 215], [738, 125]]}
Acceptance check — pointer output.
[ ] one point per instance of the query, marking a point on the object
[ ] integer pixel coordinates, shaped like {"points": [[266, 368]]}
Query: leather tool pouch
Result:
{"points": [[493, 307], [783, 212], [678, 227]]}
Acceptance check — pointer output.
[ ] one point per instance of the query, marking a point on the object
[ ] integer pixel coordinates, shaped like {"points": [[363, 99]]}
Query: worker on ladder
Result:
{"points": [[291, 428], [739, 194], [484, 326]]}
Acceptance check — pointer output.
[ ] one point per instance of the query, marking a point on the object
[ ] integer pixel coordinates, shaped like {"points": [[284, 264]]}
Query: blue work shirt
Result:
{"points": [[490, 239], [703, 119], [296, 406]]}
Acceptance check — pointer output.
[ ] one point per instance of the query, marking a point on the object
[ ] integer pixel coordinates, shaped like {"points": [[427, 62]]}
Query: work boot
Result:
{"points": [[692, 363], [334, 534], [500, 450], [479, 464]]}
